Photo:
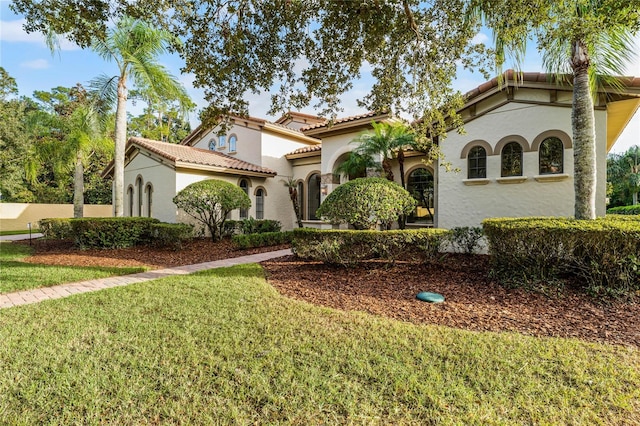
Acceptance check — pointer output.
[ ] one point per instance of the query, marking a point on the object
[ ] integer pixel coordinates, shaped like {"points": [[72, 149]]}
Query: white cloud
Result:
{"points": [[13, 32], [37, 64], [480, 38]]}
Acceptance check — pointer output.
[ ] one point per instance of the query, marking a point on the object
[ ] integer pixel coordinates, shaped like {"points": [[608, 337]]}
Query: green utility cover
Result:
{"points": [[425, 296]]}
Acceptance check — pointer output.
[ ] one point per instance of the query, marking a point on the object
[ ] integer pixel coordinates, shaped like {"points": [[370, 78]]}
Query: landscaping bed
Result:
{"points": [[473, 301]]}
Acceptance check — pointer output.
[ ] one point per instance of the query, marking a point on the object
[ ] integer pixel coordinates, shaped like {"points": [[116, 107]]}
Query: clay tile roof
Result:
{"points": [[341, 120], [306, 149], [190, 155]]}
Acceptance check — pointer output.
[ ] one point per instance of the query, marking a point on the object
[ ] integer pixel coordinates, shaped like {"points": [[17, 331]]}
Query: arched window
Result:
{"points": [[140, 196], [551, 156], [222, 141], [420, 186], [232, 143], [130, 199], [313, 196], [301, 198], [511, 160], [477, 163], [149, 191], [260, 203], [244, 185]]}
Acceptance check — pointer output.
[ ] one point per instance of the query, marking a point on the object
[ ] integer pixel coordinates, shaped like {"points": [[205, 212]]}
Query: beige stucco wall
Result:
{"points": [[163, 180], [16, 216], [248, 144], [468, 205]]}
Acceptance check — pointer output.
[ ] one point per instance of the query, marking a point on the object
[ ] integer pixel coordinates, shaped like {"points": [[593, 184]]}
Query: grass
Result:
{"points": [[16, 275], [19, 232], [223, 347]]}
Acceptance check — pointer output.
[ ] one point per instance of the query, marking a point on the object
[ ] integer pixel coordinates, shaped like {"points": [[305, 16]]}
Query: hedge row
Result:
{"points": [[630, 210], [250, 226], [347, 248], [265, 239], [115, 232], [604, 254]]}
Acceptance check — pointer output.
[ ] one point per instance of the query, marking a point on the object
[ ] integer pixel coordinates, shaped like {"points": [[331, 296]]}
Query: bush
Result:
{"points": [[253, 226], [628, 210], [111, 232], [170, 234], [210, 201], [55, 228], [366, 202], [347, 248], [465, 239], [264, 239], [602, 253]]}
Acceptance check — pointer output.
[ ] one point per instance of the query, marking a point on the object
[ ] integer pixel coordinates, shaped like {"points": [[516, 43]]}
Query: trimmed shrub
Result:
{"points": [[210, 201], [230, 228], [254, 226], [365, 203], [264, 239], [111, 232], [170, 234], [465, 239], [603, 254], [55, 228], [346, 247], [628, 210]]}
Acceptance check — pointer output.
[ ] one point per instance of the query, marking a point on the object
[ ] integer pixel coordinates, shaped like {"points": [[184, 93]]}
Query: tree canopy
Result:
{"points": [[301, 52]]}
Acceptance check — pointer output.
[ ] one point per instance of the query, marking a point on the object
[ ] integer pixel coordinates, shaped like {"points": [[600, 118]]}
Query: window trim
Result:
{"points": [[244, 213], [148, 189], [233, 146], [140, 188], [261, 197]]}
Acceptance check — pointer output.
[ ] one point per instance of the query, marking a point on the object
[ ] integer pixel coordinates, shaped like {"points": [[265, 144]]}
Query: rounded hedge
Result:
{"points": [[366, 202]]}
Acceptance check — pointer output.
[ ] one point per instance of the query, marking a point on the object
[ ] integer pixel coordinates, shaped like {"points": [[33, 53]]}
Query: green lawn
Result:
{"points": [[16, 275], [222, 347]]}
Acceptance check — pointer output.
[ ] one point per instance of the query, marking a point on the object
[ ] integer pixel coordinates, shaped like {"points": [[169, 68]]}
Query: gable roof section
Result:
{"points": [[620, 103], [187, 157], [256, 123], [306, 151], [345, 125]]}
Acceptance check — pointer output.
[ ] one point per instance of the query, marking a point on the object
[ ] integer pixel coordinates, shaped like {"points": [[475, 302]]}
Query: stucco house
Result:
{"points": [[515, 158]]}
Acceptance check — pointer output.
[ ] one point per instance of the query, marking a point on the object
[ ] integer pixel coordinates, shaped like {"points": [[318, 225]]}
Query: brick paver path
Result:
{"points": [[26, 297]]}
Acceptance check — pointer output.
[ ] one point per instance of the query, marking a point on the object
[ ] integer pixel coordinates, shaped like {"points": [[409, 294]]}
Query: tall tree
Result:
{"points": [[134, 45], [303, 52], [623, 173], [588, 38]]}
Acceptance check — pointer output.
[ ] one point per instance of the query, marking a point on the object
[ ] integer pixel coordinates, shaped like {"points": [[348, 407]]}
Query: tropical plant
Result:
{"points": [[590, 39], [623, 173], [135, 46], [387, 141], [366, 203], [210, 201], [292, 186]]}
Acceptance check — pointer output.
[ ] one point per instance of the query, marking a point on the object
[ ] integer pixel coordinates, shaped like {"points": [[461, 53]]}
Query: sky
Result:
{"points": [[27, 59]]}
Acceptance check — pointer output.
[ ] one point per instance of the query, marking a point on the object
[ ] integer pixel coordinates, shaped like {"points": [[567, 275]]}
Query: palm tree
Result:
{"points": [[388, 141], [86, 136], [588, 38], [134, 46], [293, 196]]}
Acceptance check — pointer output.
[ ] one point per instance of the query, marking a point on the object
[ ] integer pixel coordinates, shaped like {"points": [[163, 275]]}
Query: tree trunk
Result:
{"points": [[584, 138], [293, 195], [78, 187], [121, 144]]}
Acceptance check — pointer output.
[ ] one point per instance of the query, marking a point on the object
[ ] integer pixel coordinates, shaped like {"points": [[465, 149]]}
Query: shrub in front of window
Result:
{"points": [[210, 201], [365, 203]]}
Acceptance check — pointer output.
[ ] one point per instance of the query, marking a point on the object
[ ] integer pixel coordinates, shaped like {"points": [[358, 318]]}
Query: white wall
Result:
{"points": [[468, 205]]}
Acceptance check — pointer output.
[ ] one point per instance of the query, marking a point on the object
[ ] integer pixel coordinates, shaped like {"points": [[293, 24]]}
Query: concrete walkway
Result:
{"points": [[19, 237], [26, 297]]}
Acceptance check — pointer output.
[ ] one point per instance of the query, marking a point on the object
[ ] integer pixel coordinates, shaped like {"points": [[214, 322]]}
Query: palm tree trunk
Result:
{"points": [[584, 138], [78, 187], [121, 144]]}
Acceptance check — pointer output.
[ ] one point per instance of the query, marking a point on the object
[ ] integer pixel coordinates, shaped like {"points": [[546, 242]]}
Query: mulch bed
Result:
{"points": [[473, 301]]}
